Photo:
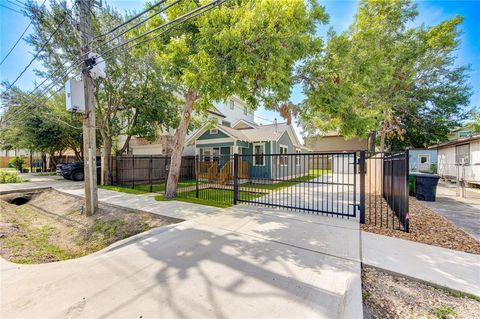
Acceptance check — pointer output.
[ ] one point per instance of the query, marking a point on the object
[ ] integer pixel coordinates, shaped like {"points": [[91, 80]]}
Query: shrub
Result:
{"points": [[6, 177], [18, 162]]}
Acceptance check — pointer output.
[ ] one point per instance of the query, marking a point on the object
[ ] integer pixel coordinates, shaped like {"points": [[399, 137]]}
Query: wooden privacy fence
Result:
{"points": [[147, 169]]}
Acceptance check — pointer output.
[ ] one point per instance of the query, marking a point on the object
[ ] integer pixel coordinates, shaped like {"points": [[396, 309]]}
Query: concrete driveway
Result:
{"points": [[330, 193], [463, 212], [243, 262]]}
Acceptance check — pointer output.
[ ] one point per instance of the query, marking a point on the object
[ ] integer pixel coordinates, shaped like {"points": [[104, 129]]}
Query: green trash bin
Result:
{"points": [[411, 185]]}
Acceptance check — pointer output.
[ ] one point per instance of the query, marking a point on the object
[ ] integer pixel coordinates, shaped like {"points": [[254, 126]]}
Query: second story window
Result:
{"points": [[226, 123], [245, 111], [213, 131], [232, 104]]}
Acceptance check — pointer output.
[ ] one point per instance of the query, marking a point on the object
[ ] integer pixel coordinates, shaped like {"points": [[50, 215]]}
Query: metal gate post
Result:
{"points": [[150, 174], [362, 186], [235, 178], [407, 193], [197, 164]]}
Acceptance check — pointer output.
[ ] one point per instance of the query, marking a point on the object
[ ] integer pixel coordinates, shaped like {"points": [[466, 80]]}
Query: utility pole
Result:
{"points": [[89, 132]]}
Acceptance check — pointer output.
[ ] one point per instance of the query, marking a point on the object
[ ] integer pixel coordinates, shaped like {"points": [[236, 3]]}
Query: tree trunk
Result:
{"points": [[125, 145], [382, 141], [179, 140], [105, 159], [371, 141]]}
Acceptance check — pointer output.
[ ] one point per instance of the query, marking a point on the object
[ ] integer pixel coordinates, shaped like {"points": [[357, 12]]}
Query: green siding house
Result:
{"points": [[262, 150]]}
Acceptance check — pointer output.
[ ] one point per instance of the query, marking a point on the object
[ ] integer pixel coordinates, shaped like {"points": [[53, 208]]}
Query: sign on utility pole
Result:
{"points": [[89, 133]]}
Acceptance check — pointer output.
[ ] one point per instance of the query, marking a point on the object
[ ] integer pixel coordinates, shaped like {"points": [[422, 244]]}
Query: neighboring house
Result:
{"points": [[334, 142], [216, 144], [226, 113], [460, 132], [422, 160], [459, 159]]}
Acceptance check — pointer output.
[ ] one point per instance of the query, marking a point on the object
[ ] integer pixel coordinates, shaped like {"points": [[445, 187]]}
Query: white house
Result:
{"points": [[460, 158], [226, 113]]}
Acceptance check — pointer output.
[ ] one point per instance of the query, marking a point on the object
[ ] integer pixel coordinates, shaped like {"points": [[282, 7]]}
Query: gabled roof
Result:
{"points": [[244, 122], [260, 133]]}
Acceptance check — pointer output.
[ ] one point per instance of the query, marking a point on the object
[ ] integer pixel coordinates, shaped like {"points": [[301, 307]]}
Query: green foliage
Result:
{"points": [[381, 75], [18, 162], [445, 312], [8, 177], [247, 48]]}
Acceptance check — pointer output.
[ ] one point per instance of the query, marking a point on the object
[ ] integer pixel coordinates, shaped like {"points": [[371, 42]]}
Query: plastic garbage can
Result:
{"points": [[425, 186]]}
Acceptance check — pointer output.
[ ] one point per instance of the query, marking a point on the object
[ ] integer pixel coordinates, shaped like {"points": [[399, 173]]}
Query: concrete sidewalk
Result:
{"points": [[240, 264], [440, 266]]}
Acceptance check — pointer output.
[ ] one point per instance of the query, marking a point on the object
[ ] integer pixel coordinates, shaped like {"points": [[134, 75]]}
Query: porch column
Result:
{"points": [[235, 149]]}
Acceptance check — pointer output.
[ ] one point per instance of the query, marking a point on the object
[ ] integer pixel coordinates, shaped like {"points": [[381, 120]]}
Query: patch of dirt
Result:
{"points": [[426, 227], [52, 227], [391, 296]]}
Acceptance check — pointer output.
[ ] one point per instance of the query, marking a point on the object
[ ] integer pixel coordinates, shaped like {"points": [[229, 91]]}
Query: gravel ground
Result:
{"points": [[426, 227], [391, 296]]}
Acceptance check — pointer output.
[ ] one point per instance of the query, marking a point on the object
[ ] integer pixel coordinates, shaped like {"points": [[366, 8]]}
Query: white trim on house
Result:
{"points": [[215, 141], [297, 157], [280, 157], [202, 130], [255, 155], [252, 125]]}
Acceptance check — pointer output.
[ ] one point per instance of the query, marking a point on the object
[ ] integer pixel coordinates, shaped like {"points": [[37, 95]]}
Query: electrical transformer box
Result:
{"points": [[75, 96]]}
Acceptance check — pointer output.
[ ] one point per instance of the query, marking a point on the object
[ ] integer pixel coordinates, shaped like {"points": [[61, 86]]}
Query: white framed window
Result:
{"points": [[462, 154], [258, 152], [213, 131], [283, 158], [297, 157], [245, 111], [422, 159], [232, 104]]}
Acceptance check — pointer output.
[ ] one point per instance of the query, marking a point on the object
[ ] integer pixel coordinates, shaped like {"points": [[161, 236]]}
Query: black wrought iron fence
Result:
{"points": [[384, 197]]}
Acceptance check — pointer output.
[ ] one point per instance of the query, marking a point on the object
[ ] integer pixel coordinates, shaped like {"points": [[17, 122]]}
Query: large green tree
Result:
{"points": [[132, 100], [48, 129], [383, 77], [248, 48]]}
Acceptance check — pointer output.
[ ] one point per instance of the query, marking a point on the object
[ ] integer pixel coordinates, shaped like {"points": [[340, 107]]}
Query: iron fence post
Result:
{"points": [[407, 205], [235, 178], [197, 163], [362, 186], [133, 171], [150, 174]]}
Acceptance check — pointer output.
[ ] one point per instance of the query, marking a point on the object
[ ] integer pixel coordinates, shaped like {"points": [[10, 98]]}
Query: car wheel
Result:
{"points": [[78, 176]]}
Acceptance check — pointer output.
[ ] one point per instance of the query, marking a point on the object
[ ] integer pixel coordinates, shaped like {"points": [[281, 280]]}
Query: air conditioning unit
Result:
{"points": [[75, 96]]}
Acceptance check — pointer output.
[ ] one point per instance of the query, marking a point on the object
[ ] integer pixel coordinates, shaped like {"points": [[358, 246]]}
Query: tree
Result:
{"points": [[248, 48], [46, 127], [133, 99], [382, 77]]}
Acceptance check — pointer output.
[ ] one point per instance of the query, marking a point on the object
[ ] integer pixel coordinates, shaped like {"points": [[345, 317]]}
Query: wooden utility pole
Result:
{"points": [[89, 132]]}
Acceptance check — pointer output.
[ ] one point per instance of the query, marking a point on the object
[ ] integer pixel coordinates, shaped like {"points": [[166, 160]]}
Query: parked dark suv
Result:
{"points": [[75, 171]]}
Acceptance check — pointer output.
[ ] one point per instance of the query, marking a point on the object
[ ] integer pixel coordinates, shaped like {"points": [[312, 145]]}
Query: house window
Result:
{"points": [[232, 104], [245, 111], [464, 133], [213, 131], [258, 151], [297, 157], [283, 158], [462, 154], [226, 123], [422, 159]]}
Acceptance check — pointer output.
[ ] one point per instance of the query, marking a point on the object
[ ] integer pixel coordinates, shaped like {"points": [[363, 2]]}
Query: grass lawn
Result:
{"points": [[39, 232], [145, 188], [212, 197]]}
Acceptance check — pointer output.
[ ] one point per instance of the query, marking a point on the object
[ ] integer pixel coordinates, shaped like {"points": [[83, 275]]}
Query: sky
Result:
{"points": [[341, 13]]}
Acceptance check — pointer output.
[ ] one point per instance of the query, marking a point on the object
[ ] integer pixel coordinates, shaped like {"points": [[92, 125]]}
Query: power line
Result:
{"points": [[188, 16], [36, 55], [2, 5], [16, 4], [18, 40]]}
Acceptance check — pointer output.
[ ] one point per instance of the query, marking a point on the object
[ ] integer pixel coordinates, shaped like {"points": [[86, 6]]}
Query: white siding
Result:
{"points": [[448, 169], [237, 113]]}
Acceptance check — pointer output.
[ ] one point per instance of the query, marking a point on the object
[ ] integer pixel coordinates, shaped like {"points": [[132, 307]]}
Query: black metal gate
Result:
{"points": [[371, 185]]}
